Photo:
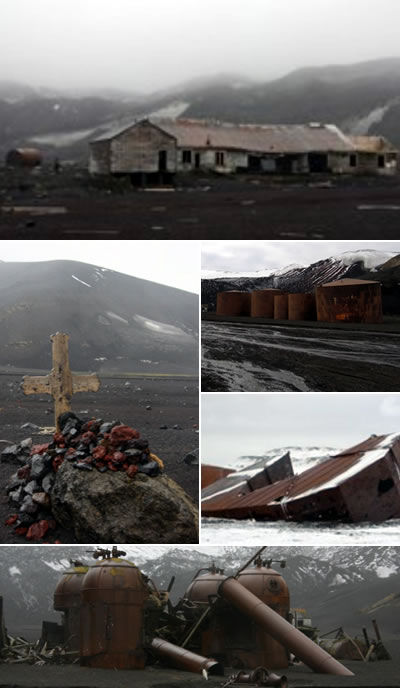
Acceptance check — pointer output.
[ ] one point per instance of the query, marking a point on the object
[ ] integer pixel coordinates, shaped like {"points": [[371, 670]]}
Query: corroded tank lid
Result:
{"points": [[204, 586]]}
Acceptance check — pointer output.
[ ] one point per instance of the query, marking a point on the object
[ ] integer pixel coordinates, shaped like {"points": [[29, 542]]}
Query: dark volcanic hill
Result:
{"points": [[370, 265], [338, 586], [115, 322], [361, 98]]}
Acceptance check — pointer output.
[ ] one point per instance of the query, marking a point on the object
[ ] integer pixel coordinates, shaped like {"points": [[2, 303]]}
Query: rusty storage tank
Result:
{"points": [[233, 303], [67, 599], [233, 638], [114, 593], [262, 303], [301, 307], [281, 306], [24, 157], [350, 300]]}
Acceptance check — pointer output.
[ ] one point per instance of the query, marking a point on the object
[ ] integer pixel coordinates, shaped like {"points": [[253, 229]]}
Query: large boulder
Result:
{"points": [[112, 508]]}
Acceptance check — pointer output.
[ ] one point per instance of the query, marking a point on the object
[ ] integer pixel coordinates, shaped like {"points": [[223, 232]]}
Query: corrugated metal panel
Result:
{"points": [[272, 139], [312, 479]]}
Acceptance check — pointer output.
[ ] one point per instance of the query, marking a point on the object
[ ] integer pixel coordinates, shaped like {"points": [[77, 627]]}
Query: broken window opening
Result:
{"points": [[385, 486], [353, 160], [187, 157], [220, 159], [381, 161]]}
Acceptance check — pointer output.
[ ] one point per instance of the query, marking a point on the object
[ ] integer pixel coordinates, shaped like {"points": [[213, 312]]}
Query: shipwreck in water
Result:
{"points": [[359, 484]]}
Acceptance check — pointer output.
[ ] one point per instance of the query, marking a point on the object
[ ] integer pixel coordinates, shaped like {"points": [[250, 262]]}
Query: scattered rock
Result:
{"points": [[148, 408], [163, 427], [192, 458]]}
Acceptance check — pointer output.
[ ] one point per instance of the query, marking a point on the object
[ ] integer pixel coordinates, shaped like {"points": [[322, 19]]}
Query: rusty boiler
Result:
{"points": [[281, 306], [301, 307], [230, 636], [350, 301], [67, 600], [114, 593]]}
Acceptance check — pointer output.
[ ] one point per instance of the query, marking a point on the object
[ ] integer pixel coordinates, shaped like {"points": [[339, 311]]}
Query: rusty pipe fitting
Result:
{"points": [[183, 659]]}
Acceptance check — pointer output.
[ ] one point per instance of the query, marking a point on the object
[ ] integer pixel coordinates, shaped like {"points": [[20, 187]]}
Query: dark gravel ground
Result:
{"points": [[173, 401], [367, 675], [236, 208], [264, 358]]}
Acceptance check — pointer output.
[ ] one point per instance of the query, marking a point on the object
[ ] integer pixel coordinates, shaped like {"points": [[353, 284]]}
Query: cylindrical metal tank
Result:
{"points": [[266, 618], [301, 307], [233, 303], [281, 306], [114, 593], [270, 587], [24, 157], [262, 303], [67, 599], [350, 300], [229, 635], [205, 586]]}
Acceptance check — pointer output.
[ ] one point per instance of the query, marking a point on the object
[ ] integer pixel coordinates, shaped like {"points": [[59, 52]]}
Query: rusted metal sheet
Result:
{"points": [[281, 306], [360, 484], [349, 300], [263, 472], [67, 599], [210, 474], [233, 303], [296, 642], [183, 659], [260, 677], [114, 594]]}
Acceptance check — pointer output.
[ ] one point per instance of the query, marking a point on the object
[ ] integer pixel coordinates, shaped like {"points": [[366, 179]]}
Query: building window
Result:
{"points": [[187, 157], [353, 161], [219, 159], [381, 161]]}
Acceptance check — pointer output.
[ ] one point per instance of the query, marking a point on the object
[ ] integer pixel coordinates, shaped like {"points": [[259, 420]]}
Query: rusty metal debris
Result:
{"points": [[257, 677], [20, 651], [359, 484]]}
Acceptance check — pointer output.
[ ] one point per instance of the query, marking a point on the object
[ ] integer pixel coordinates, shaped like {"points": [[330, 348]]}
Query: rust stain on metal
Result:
{"points": [[361, 483]]}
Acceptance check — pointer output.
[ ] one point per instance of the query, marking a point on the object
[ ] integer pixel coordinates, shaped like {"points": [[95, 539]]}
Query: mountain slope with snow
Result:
{"points": [[334, 584], [302, 279]]}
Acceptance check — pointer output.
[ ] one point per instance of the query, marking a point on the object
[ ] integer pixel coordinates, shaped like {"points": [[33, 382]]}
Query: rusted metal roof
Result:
{"points": [[348, 283], [256, 138], [279, 138], [331, 473]]}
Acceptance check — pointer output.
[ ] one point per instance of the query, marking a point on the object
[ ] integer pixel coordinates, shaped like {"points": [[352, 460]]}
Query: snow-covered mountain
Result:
{"points": [[297, 278], [302, 457], [334, 584]]}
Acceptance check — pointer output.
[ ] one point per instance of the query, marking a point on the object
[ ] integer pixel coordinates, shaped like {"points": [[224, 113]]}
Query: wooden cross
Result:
{"points": [[61, 384]]}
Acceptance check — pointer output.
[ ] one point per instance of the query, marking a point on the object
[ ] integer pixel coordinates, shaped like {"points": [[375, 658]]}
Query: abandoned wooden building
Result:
{"points": [[152, 148]]}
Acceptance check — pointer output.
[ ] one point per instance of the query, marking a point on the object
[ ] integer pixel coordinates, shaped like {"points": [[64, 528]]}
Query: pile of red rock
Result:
{"points": [[90, 445]]}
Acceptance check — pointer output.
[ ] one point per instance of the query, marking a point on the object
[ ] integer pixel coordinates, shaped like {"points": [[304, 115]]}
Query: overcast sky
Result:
{"points": [[240, 256], [236, 425], [174, 263], [139, 45]]}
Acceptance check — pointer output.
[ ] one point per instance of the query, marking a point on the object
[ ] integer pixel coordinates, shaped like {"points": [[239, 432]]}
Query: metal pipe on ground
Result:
{"points": [[305, 649], [183, 659]]}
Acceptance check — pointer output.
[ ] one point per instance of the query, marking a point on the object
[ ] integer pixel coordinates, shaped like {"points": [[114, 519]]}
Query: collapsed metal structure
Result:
{"points": [[115, 617], [359, 484]]}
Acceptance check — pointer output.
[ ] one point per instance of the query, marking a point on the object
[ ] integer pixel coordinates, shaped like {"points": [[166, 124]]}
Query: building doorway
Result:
{"points": [[318, 162], [162, 161], [197, 161]]}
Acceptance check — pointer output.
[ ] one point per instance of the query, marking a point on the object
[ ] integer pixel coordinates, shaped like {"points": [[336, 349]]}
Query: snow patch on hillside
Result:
{"points": [[369, 257]]}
